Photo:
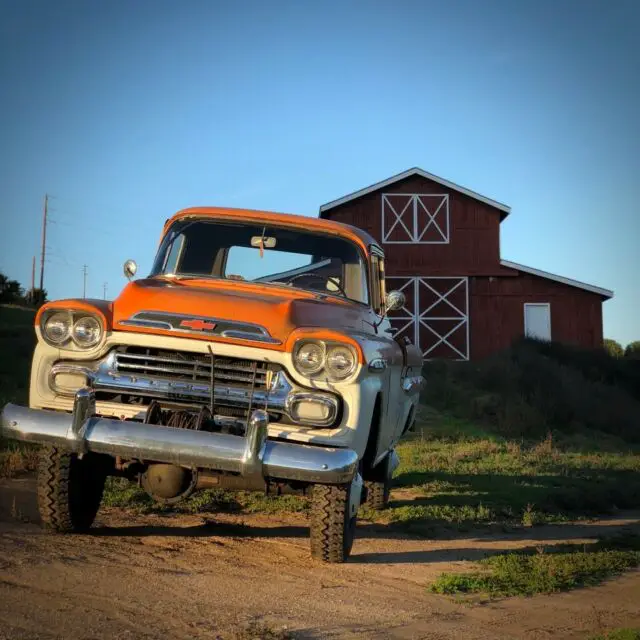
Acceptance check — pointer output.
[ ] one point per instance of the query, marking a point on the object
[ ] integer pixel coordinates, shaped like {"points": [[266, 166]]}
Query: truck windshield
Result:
{"points": [[265, 254]]}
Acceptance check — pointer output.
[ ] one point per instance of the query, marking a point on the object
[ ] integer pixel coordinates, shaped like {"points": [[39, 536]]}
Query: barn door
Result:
{"points": [[435, 316]]}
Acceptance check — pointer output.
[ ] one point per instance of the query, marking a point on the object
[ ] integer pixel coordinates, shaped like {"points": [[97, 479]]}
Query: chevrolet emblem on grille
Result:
{"points": [[198, 325]]}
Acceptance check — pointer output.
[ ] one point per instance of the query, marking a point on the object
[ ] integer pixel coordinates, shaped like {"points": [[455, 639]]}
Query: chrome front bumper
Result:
{"points": [[251, 456]]}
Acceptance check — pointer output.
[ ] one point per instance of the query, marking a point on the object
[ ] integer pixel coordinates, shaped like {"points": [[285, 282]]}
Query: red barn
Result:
{"points": [[442, 247]]}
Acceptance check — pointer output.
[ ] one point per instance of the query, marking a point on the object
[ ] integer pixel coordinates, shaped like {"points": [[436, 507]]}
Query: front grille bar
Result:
{"points": [[191, 368]]}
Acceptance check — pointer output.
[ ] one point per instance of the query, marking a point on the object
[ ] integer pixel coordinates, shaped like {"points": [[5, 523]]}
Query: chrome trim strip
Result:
{"points": [[330, 402], [63, 367], [151, 324], [185, 447], [242, 330]]}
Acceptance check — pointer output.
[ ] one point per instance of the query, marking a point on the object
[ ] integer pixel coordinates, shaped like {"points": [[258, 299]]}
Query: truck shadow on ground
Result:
{"points": [[532, 539], [208, 529]]}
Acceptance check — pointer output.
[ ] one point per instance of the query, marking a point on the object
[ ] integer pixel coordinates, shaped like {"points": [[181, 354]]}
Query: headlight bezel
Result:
{"points": [[94, 341], [70, 341], [64, 316], [324, 372]]}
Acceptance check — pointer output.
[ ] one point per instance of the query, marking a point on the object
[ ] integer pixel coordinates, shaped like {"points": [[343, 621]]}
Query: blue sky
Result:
{"points": [[128, 111]]}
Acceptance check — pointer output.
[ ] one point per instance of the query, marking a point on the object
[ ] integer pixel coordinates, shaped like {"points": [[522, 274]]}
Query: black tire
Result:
{"points": [[69, 490], [332, 530], [377, 494], [379, 487]]}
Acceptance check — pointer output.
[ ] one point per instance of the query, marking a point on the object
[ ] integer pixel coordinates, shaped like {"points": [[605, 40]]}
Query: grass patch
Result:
{"points": [[460, 474], [258, 631], [545, 571], [17, 458], [17, 342], [119, 492], [618, 634]]}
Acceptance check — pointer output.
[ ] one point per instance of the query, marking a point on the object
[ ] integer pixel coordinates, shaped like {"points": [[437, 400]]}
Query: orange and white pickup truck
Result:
{"points": [[256, 355]]}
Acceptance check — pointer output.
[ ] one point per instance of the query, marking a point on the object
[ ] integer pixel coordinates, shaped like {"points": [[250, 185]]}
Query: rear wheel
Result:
{"points": [[69, 489], [377, 494], [332, 526], [379, 487]]}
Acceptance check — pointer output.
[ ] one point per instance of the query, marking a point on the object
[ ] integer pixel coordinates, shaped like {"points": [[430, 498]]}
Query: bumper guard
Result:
{"points": [[252, 456]]}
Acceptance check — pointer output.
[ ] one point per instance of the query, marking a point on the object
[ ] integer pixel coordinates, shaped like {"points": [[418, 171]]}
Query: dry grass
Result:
{"points": [[17, 459]]}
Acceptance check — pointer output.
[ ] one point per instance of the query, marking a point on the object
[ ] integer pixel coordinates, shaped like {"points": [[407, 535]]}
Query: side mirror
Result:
{"points": [[395, 300], [130, 268]]}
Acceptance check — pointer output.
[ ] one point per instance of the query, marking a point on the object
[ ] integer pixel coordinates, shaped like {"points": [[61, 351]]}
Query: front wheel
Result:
{"points": [[69, 489], [333, 527]]}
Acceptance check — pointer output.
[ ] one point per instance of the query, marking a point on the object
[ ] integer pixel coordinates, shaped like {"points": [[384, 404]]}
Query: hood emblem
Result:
{"points": [[198, 325]]}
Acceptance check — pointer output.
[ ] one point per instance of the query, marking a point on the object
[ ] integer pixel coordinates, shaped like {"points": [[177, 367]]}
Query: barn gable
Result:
{"points": [[426, 225], [415, 171]]}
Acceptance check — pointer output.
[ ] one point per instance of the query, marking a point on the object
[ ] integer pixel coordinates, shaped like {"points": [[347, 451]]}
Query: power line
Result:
{"points": [[44, 240]]}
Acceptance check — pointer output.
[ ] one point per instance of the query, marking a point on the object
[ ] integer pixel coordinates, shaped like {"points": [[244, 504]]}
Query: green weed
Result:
{"points": [[545, 571], [618, 634]]}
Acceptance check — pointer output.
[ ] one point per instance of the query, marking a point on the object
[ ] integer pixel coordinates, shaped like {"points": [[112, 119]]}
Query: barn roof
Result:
{"points": [[605, 293], [416, 171]]}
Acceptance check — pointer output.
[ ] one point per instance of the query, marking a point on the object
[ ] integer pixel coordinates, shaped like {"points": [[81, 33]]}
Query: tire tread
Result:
{"points": [[328, 506], [69, 491]]}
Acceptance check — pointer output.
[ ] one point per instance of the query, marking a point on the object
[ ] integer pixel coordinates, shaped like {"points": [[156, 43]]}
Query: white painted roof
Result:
{"points": [[605, 293], [406, 174]]}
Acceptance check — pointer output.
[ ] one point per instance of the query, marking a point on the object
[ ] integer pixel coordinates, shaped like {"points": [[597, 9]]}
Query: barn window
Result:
{"points": [[415, 218], [537, 320]]}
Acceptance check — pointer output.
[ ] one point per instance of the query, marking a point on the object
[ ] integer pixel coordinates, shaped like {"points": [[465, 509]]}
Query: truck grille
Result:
{"points": [[187, 366]]}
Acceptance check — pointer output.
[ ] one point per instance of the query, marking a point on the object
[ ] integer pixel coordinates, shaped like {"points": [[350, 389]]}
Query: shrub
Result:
{"points": [[613, 348], [535, 387], [633, 350]]}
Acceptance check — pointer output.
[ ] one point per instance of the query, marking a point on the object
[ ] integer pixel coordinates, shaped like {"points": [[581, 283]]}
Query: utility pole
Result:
{"points": [[104, 290], [84, 284], [33, 281], [44, 240]]}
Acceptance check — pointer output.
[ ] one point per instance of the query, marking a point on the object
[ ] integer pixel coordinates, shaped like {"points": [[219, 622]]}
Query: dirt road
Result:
{"points": [[195, 577]]}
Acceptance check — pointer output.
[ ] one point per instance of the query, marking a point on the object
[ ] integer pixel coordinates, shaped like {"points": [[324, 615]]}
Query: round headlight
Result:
{"points": [[309, 358], [86, 331], [57, 328], [340, 362]]}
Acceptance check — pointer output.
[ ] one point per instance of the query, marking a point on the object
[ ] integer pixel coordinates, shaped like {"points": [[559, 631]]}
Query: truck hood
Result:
{"points": [[159, 305]]}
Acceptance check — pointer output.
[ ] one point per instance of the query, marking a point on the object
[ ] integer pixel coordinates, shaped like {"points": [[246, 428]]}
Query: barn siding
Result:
{"points": [[474, 233], [496, 310]]}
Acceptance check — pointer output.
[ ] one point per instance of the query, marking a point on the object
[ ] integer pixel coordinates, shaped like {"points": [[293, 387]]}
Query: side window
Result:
{"points": [[378, 292], [173, 255]]}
